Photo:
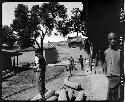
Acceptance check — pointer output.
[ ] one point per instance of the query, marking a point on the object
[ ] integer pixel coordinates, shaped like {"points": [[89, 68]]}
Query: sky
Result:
{"points": [[9, 7]]}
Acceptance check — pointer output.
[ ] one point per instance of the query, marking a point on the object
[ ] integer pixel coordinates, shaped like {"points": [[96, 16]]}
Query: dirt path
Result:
{"points": [[30, 93]]}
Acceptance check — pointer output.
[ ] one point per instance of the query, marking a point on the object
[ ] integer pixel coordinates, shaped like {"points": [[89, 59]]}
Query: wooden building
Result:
{"points": [[8, 59]]}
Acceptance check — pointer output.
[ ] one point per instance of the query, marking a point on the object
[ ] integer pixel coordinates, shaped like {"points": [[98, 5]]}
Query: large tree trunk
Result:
{"points": [[41, 75], [42, 46]]}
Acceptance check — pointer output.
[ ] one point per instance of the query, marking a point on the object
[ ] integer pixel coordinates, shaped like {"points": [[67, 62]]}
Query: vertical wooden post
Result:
{"points": [[17, 60], [95, 62], [85, 13], [91, 55], [14, 62]]}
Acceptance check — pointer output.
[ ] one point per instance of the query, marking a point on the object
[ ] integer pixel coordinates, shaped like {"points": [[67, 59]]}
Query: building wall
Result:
{"points": [[65, 53], [51, 56], [26, 57]]}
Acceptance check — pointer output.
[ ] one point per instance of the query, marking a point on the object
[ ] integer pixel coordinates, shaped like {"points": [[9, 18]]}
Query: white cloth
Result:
{"points": [[37, 62]]}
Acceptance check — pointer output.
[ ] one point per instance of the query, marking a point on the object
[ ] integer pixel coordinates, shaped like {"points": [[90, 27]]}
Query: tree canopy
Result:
{"points": [[7, 36], [27, 23], [76, 22]]}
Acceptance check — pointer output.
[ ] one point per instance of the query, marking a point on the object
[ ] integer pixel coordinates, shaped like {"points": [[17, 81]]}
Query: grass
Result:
{"points": [[53, 72], [27, 79]]}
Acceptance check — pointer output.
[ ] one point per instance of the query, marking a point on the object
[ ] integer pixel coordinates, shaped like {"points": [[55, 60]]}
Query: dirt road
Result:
{"points": [[89, 83]]}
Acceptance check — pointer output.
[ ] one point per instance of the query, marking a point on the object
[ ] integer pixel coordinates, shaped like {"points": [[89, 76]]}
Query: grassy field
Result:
{"points": [[27, 79]]}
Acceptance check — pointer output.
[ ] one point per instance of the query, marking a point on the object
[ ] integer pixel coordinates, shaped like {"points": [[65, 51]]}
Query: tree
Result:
{"points": [[29, 24], [7, 36], [77, 23], [64, 27], [21, 26]]}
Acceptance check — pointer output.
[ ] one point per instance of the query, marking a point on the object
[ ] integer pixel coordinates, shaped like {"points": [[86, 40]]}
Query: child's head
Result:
{"points": [[112, 38]]}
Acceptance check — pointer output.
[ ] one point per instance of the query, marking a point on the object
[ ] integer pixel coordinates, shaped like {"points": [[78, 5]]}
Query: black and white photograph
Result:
{"points": [[63, 51]]}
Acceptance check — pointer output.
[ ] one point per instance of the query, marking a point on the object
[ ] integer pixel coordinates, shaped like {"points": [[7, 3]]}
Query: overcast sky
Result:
{"points": [[9, 7]]}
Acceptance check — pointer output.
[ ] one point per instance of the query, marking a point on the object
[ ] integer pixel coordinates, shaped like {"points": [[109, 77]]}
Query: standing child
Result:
{"points": [[112, 70], [81, 62], [71, 66]]}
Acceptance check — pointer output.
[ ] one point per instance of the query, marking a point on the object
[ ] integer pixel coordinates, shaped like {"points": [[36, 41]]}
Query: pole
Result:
{"points": [[91, 55], [17, 60]]}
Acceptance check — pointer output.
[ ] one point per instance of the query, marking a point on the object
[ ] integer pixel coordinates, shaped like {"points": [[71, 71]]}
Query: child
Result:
{"points": [[81, 62], [112, 70], [71, 66]]}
